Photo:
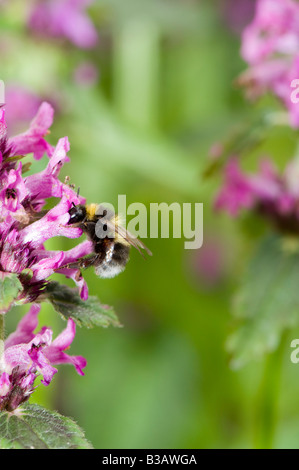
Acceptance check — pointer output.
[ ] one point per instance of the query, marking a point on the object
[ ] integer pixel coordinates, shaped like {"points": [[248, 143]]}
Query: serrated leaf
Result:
{"points": [[88, 313], [10, 286], [267, 302], [34, 427]]}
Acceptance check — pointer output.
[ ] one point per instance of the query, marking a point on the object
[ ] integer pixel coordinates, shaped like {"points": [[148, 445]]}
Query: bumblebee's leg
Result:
{"points": [[81, 263], [87, 262]]}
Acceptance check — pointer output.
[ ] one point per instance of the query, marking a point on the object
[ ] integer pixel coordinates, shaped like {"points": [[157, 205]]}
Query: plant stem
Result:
{"points": [[267, 399]]}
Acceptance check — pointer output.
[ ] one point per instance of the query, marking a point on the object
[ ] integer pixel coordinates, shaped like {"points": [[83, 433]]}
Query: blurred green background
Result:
{"points": [[164, 95]]}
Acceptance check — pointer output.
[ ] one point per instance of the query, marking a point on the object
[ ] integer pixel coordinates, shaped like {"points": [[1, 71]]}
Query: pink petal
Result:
{"points": [[33, 140], [24, 331]]}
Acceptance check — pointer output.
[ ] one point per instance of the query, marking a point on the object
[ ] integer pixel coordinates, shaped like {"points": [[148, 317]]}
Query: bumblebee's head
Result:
{"points": [[77, 214]]}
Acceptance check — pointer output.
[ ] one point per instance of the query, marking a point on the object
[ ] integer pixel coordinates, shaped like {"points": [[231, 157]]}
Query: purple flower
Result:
{"points": [[13, 189], [70, 257], [33, 140], [15, 255], [3, 126], [274, 29], [270, 45], [28, 355], [24, 226], [237, 192], [64, 18], [274, 196]]}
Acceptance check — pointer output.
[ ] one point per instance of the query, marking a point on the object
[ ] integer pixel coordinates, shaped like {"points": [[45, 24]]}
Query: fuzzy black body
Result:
{"points": [[111, 252]]}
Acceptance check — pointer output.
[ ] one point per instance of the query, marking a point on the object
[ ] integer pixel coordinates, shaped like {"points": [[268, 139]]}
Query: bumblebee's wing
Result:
{"points": [[128, 237]]}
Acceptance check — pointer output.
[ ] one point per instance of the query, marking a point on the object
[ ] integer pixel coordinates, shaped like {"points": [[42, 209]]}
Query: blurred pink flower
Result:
{"points": [[64, 18], [270, 45], [273, 195], [237, 191]]}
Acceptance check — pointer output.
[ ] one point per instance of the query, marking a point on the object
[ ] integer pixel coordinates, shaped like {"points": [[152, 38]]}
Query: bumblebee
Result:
{"points": [[111, 241]]}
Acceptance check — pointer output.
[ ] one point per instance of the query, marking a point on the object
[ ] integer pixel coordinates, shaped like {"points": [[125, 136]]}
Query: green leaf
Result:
{"points": [[34, 427], [88, 313], [268, 300], [10, 287], [244, 139]]}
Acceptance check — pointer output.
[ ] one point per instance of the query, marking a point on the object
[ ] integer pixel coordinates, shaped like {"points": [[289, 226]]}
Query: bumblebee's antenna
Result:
{"points": [[78, 191]]}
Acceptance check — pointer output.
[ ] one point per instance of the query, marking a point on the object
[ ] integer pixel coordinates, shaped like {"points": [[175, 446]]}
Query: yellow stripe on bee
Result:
{"points": [[91, 210], [117, 221]]}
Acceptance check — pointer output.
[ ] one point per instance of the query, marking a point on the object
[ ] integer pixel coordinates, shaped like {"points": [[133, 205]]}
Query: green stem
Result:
{"points": [[267, 399], [137, 73]]}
